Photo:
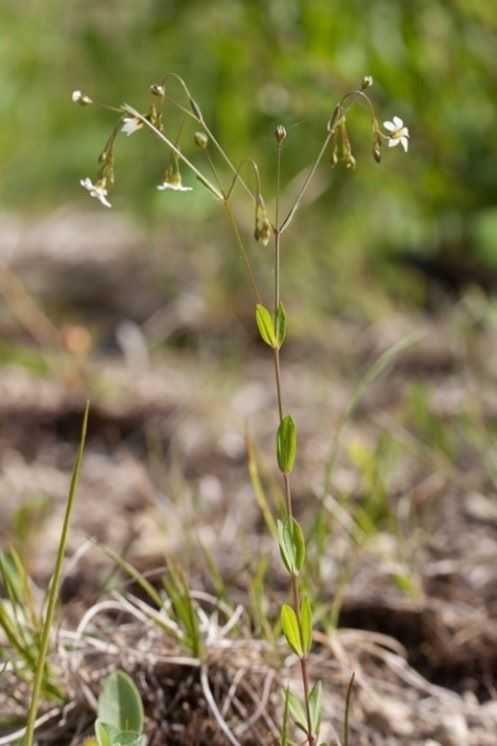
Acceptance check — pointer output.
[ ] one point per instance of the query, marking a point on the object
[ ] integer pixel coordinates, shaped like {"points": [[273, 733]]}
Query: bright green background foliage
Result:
{"points": [[255, 64]]}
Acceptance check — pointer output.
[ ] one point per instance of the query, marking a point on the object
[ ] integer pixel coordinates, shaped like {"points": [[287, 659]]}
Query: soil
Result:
{"points": [[408, 519]]}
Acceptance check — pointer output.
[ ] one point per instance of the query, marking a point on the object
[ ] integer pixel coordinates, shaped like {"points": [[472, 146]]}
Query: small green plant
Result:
{"points": [[120, 713], [39, 669], [21, 624], [271, 320]]}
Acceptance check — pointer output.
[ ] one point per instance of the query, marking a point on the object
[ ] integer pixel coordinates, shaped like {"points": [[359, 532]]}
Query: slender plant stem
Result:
{"points": [[286, 477], [54, 588]]}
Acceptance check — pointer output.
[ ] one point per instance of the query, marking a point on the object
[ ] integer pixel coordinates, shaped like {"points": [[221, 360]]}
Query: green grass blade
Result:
{"points": [[260, 494], [372, 373], [54, 587]]}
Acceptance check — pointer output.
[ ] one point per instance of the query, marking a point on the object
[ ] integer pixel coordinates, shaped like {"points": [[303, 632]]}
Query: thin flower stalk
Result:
{"points": [[296, 619]]}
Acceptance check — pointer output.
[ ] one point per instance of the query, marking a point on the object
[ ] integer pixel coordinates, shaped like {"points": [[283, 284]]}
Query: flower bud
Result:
{"points": [[367, 82], [334, 155], [280, 134], [350, 161], [79, 98], [263, 228], [157, 90], [377, 151], [201, 140]]}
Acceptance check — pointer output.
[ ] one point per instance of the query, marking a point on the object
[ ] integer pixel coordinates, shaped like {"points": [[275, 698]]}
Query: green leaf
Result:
{"points": [[286, 444], [315, 707], [265, 325], [297, 711], [107, 735], [292, 545], [306, 624], [284, 725], [280, 325], [119, 704], [290, 626], [102, 733], [178, 591]]}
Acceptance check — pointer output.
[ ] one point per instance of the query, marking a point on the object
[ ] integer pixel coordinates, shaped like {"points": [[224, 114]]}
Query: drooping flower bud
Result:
{"points": [[347, 156], [201, 140], [280, 134], [334, 150], [172, 177], [78, 97], [367, 82], [154, 116], [263, 228], [158, 90]]}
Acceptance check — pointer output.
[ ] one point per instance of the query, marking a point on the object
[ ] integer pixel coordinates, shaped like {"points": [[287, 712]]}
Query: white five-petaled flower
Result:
{"points": [[131, 125], [172, 180], [398, 133], [98, 190], [175, 187]]}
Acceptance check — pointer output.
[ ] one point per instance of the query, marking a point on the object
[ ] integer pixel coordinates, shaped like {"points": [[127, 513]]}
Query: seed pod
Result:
{"points": [[157, 90], [201, 140], [263, 228], [367, 82]]}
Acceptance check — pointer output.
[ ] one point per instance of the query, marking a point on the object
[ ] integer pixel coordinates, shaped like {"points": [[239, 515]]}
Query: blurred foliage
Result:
{"points": [[255, 64]]}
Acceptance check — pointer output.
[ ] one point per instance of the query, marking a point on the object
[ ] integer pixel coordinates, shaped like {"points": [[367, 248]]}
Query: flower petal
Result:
{"points": [[393, 141], [131, 125], [87, 184], [405, 143], [103, 199], [390, 126], [173, 187], [398, 122]]}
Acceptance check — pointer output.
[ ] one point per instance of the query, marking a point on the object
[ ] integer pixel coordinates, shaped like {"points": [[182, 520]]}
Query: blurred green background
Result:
{"points": [[429, 215]]}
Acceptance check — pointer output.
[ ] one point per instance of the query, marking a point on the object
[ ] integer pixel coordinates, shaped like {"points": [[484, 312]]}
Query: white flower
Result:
{"points": [[131, 125], [176, 187], [172, 180], [98, 190], [399, 133], [78, 97]]}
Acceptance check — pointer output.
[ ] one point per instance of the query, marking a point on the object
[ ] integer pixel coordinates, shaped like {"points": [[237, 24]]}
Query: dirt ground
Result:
{"points": [[407, 521]]}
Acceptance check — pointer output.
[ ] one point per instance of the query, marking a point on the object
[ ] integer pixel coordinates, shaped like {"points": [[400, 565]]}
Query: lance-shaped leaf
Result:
{"points": [[286, 444], [292, 545], [284, 726], [315, 707], [280, 325], [265, 325], [290, 626], [306, 624], [297, 711]]}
